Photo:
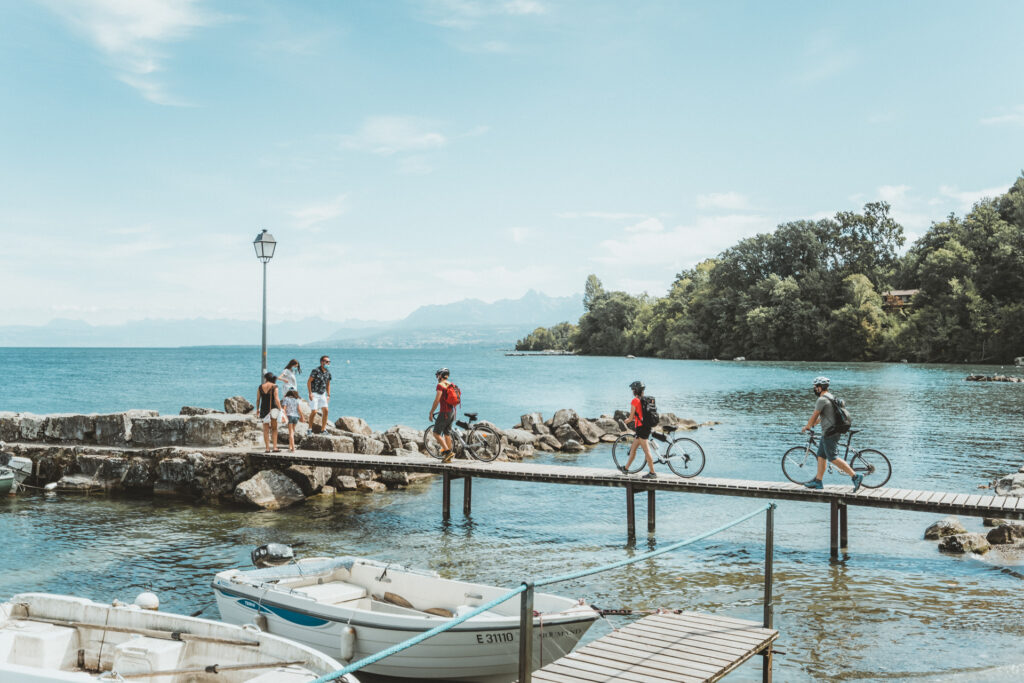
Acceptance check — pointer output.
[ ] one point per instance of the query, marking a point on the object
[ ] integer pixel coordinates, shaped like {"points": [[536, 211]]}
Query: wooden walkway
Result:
{"points": [[687, 647]]}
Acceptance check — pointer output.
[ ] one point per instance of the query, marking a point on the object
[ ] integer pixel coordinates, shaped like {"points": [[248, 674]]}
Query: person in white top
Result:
{"points": [[288, 376]]}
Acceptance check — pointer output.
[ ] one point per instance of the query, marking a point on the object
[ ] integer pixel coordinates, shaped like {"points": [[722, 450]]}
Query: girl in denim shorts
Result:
{"points": [[291, 409]]}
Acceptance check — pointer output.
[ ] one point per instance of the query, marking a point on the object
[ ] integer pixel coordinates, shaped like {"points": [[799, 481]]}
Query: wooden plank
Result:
{"points": [[576, 664], [972, 500], [721, 633], [662, 633], [550, 677], [603, 649], [643, 672], [680, 649], [960, 499]]}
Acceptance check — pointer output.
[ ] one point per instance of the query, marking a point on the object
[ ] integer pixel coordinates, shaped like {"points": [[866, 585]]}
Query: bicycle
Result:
{"points": [[870, 462], [684, 456], [480, 441]]}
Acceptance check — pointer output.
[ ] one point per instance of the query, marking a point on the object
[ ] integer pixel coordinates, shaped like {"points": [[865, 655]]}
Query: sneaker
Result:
{"points": [[651, 475], [623, 470], [446, 456], [858, 479], [814, 484]]}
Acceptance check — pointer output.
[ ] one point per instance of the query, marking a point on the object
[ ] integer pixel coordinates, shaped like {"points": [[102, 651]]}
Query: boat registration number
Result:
{"points": [[487, 638]]}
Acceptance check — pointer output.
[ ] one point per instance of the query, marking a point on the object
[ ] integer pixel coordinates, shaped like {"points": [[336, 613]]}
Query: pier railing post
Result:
{"points": [[630, 513], [467, 495], [446, 495], [650, 511], [843, 509], [526, 634], [834, 529], [769, 606]]}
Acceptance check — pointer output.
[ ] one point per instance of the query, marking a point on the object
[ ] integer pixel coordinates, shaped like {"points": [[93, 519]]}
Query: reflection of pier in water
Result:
{"points": [[839, 498]]}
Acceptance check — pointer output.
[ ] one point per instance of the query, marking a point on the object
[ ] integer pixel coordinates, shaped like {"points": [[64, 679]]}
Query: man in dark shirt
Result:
{"points": [[319, 388]]}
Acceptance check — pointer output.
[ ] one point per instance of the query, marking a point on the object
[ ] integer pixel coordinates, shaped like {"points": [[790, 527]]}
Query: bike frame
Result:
{"points": [[812, 441]]}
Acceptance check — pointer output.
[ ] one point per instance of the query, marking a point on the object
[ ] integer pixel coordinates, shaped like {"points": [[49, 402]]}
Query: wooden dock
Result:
{"points": [[688, 648], [839, 497]]}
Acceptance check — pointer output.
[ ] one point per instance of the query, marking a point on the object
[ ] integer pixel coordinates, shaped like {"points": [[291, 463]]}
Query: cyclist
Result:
{"points": [[445, 416], [643, 432], [825, 413]]}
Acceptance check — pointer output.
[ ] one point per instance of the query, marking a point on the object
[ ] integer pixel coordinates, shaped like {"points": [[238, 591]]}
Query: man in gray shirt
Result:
{"points": [[825, 413]]}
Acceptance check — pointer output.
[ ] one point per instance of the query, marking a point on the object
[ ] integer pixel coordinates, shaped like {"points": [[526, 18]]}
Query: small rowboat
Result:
{"points": [[63, 639], [352, 607]]}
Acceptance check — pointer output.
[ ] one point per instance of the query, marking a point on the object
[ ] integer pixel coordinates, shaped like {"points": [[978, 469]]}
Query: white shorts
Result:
{"points": [[318, 401], [272, 415]]}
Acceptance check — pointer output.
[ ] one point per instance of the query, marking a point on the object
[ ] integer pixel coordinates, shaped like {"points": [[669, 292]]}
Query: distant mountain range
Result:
{"points": [[469, 321]]}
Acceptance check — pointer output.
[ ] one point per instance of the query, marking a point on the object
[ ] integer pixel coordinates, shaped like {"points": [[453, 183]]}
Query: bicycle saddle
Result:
{"points": [[471, 416], [669, 428]]}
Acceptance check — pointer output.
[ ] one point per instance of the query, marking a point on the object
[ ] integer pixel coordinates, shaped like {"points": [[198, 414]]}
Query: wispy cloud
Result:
{"points": [[132, 33], [824, 58], [1014, 117], [314, 216], [387, 135], [893, 193], [733, 201], [467, 14], [647, 225], [684, 244], [968, 198], [602, 215]]}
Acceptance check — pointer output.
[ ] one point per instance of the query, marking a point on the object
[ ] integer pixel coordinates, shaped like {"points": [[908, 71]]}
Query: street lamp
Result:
{"points": [[265, 245]]}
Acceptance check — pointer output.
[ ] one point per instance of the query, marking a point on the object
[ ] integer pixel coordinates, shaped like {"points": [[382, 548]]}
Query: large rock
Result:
{"points": [[371, 486], [520, 437], [196, 410], [1015, 482], [548, 443], [525, 450], [406, 434], [79, 483], [528, 421], [310, 479], [222, 430], [269, 489], [965, 543], [238, 405], [139, 475], [565, 432], [355, 425], [392, 442], [407, 453], [562, 417], [1006, 533], [102, 467], [367, 445], [80, 428], [607, 425], [589, 431], [393, 479], [10, 426], [115, 429], [31, 427], [540, 429], [345, 482], [672, 419], [200, 476], [331, 444], [949, 526], [572, 446], [166, 430]]}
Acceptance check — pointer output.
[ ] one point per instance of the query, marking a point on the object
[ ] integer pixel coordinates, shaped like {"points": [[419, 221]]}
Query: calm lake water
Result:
{"points": [[893, 609]]}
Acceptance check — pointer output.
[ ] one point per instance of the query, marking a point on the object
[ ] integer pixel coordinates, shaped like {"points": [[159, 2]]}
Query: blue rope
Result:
{"points": [[653, 553], [366, 661], [394, 649]]}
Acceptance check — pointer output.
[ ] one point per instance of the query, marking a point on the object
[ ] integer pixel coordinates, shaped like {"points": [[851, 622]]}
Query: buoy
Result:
{"points": [[52, 486], [148, 600], [348, 643]]}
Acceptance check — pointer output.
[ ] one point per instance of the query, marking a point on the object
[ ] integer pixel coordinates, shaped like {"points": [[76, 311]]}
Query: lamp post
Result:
{"points": [[265, 245]]}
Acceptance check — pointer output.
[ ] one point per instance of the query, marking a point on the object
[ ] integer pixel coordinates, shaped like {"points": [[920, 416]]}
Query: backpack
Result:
{"points": [[843, 419], [452, 395], [649, 411]]}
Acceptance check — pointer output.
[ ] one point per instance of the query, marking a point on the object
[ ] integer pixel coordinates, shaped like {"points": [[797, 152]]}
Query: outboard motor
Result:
{"points": [[272, 555]]}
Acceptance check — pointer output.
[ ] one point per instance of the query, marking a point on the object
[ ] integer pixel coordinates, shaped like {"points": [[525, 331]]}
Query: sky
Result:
{"points": [[406, 152]]}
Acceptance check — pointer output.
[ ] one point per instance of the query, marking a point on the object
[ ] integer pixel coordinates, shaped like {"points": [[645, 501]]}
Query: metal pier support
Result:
{"points": [[650, 511], [526, 634], [769, 604], [630, 513], [446, 495], [467, 495], [843, 508], [834, 530]]}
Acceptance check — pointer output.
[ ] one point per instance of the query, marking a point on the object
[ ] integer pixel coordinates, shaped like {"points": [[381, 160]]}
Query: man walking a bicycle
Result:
{"points": [[825, 414]]}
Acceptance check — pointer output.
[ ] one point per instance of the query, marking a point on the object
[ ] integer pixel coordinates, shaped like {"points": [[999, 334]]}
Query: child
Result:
{"points": [[291, 409]]}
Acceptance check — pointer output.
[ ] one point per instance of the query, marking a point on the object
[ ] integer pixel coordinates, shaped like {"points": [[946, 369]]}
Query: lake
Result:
{"points": [[893, 608]]}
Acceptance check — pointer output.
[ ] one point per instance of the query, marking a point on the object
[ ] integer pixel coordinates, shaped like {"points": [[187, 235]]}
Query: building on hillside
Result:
{"points": [[898, 298]]}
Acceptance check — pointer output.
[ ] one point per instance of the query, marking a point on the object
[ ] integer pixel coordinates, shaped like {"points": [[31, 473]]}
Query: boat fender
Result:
{"points": [[395, 599], [348, 643], [440, 611], [148, 601]]}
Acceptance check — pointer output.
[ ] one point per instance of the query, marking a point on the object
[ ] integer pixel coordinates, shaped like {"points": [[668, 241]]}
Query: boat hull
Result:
{"points": [[485, 652]]}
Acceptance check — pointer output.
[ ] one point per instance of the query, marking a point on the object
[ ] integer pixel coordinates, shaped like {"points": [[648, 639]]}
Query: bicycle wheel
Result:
{"points": [[620, 454], [430, 444], [483, 444], [873, 465], [685, 457], [799, 464]]}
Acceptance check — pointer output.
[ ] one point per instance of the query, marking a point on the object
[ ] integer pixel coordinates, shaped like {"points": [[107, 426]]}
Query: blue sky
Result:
{"points": [[406, 153]]}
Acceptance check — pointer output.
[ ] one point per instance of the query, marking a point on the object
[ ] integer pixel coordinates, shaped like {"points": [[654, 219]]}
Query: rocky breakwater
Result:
{"points": [[1004, 534], [200, 454], [993, 378]]}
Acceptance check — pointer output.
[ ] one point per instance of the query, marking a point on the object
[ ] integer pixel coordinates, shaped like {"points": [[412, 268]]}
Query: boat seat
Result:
{"points": [[333, 592]]}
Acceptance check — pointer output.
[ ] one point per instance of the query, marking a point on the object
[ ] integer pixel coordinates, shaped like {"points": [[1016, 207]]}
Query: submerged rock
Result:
{"points": [[1006, 533], [949, 526], [965, 543], [572, 446], [269, 489], [309, 479]]}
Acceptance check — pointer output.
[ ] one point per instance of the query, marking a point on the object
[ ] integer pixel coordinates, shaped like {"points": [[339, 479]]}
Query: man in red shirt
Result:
{"points": [[643, 432], [445, 416]]}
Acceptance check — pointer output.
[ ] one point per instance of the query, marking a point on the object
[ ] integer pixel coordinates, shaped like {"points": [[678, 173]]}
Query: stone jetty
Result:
{"points": [[993, 378], [201, 453]]}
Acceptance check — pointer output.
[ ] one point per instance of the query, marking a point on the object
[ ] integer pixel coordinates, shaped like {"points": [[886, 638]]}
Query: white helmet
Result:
{"points": [[820, 381]]}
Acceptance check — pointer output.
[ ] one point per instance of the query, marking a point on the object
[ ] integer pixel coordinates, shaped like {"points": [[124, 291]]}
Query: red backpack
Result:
{"points": [[452, 395]]}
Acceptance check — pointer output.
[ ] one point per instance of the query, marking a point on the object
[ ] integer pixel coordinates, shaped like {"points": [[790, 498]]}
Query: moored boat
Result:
{"points": [[7, 481], [48, 638], [352, 607]]}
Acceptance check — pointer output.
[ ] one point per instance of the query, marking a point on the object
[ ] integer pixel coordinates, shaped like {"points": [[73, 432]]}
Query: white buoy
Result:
{"points": [[52, 486], [148, 600], [348, 643]]}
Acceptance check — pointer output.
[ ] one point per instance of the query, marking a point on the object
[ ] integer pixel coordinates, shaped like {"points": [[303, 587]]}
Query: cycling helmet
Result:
{"points": [[821, 381], [442, 371], [637, 386]]}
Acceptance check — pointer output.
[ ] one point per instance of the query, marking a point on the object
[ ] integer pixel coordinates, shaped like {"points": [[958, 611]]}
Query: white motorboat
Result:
{"points": [[353, 607], [63, 639]]}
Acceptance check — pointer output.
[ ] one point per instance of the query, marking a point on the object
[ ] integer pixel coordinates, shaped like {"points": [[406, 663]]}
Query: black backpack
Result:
{"points": [[649, 411], [843, 419]]}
